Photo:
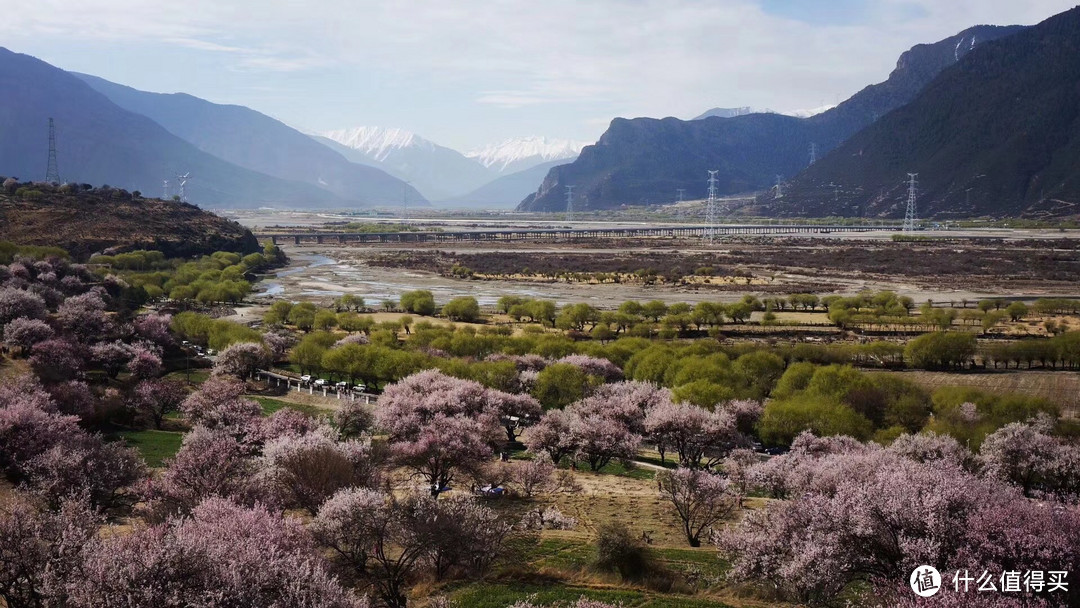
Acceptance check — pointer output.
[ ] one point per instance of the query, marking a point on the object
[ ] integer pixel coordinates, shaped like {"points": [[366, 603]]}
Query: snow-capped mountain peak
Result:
{"points": [[515, 154], [377, 142], [808, 112]]}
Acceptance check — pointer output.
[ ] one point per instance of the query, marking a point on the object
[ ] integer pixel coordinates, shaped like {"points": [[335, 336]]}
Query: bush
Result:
{"points": [[618, 549]]}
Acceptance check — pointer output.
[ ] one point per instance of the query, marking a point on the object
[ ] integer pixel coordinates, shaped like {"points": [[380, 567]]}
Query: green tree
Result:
{"points": [[324, 320], [1016, 311], [560, 384], [419, 302], [465, 308]]}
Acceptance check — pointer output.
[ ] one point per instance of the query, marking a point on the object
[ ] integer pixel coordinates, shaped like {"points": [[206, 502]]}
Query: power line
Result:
{"points": [[909, 216], [52, 172]]}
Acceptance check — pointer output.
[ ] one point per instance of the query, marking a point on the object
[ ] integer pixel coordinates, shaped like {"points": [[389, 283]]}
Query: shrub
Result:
{"points": [[618, 549]]}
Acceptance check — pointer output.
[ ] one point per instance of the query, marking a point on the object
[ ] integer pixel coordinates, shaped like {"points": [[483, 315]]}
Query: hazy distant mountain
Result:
{"points": [[644, 160], [743, 111], [505, 192], [98, 142], [436, 171], [518, 154], [255, 141], [996, 134]]}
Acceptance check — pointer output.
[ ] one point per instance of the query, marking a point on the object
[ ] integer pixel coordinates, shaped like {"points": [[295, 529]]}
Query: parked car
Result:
{"points": [[305, 378], [342, 386], [320, 382]]}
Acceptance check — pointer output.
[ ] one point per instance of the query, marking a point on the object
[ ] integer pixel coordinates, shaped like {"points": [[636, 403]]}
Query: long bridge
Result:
{"points": [[532, 234]]}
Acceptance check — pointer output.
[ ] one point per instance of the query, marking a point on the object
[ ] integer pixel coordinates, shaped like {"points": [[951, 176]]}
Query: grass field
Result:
{"points": [[271, 405], [157, 445], [1061, 387], [154, 445], [501, 595]]}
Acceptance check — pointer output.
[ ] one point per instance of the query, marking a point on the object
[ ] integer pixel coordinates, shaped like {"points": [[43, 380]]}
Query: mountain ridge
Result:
{"points": [[101, 143], [644, 160], [997, 133], [250, 139]]}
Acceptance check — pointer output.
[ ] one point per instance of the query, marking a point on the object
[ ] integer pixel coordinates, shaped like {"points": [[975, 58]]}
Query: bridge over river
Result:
{"points": [[537, 234]]}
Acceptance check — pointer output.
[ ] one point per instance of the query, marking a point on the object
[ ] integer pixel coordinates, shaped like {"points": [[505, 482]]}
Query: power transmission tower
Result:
{"points": [[679, 193], [182, 180], [779, 190], [165, 190], [405, 200], [813, 153], [909, 217], [569, 203], [52, 172], [710, 208]]}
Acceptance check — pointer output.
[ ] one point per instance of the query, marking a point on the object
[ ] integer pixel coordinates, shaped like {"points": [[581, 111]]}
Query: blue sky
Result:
{"points": [[467, 73]]}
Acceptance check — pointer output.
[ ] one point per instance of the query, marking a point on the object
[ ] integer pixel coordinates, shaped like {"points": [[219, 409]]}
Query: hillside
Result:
{"points": [[997, 134], [86, 222], [644, 160], [99, 142], [254, 141]]}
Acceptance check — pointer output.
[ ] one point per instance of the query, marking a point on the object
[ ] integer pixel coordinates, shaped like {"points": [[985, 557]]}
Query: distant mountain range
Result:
{"points": [[504, 192], [436, 171], [996, 134], [521, 153], [499, 174], [108, 133], [644, 160]]}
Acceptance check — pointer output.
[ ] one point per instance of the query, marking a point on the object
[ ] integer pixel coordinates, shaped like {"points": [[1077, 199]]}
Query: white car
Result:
{"points": [[320, 382], [342, 386], [305, 378]]}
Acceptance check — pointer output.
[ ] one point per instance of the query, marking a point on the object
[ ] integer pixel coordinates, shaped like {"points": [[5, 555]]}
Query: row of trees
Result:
{"points": [[216, 278]]}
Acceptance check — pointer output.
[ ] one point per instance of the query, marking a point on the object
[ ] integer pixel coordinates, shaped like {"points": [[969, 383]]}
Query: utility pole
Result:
{"points": [[813, 153], [909, 216], [679, 194], [779, 191], [569, 203], [52, 172], [165, 190], [710, 209]]}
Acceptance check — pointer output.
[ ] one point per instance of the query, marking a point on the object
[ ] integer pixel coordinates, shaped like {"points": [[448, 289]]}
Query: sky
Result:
{"points": [[464, 74]]}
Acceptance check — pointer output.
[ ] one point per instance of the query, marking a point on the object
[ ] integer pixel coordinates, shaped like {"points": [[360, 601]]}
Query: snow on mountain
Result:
{"points": [[377, 142], [733, 112], [436, 171], [807, 113], [742, 111], [518, 154]]}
